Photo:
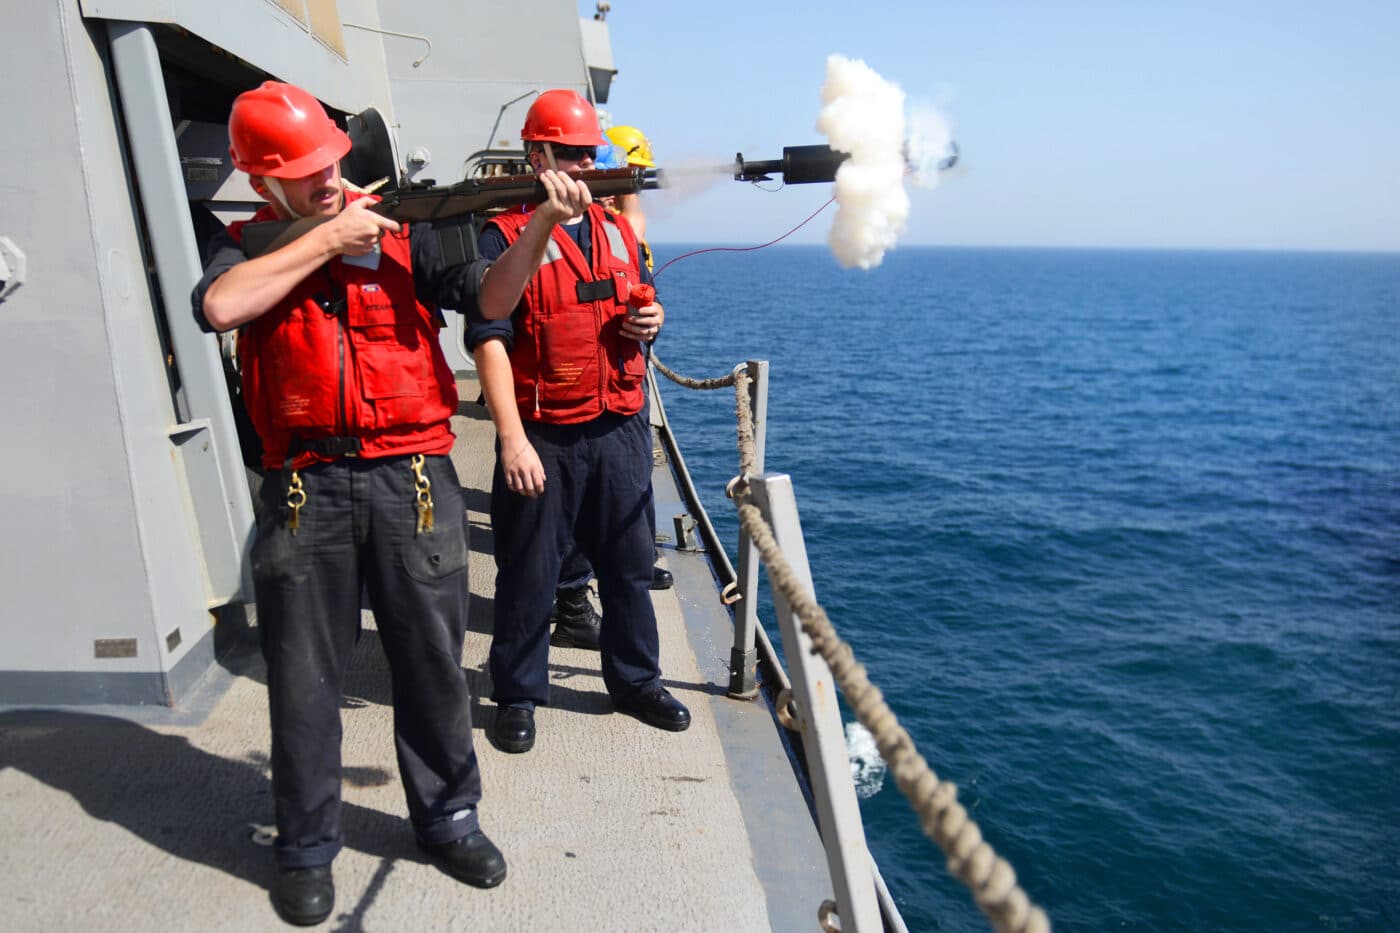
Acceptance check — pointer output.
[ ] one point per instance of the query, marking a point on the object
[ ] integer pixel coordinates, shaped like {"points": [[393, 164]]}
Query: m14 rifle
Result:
{"points": [[452, 209]]}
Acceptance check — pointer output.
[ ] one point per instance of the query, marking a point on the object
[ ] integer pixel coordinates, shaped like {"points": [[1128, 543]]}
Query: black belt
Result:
{"points": [[333, 447]]}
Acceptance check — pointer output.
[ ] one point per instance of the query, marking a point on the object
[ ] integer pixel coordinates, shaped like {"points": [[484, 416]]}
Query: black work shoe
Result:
{"points": [[304, 896], [472, 860], [661, 579], [513, 729], [576, 623], [656, 707]]}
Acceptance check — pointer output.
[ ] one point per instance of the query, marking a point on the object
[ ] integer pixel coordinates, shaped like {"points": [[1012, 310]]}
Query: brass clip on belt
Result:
{"points": [[424, 503], [296, 498]]}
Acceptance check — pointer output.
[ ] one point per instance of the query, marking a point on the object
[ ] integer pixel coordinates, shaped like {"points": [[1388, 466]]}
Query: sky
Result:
{"points": [[1231, 124]]}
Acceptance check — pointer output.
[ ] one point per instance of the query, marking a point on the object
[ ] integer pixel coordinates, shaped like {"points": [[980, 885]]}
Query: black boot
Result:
{"points": [[656, 707], [575, 621], [473, 859], [304, 896]]}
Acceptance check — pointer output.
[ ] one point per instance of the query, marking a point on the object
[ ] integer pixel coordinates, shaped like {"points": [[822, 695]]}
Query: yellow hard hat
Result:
{"points": [[634, 143]]}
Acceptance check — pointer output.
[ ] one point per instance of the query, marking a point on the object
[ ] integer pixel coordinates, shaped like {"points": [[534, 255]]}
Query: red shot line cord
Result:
{"points": [[743, 249]]}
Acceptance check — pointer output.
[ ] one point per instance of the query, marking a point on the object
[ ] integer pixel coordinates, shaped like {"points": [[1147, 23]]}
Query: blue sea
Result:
{"points": [[1118, 535]]}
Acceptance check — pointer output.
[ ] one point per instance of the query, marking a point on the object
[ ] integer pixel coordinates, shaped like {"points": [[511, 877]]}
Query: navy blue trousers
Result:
{"points": [[576, 572], [357, 530], [597, 493]]}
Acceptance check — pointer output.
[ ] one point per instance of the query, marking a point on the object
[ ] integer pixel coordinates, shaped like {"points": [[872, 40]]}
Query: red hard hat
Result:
{"points": [[282, 131], [565, 117]]}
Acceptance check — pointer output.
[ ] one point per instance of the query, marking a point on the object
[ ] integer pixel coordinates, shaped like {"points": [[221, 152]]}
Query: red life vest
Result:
{"points": [[569, 358], [371, 369]]}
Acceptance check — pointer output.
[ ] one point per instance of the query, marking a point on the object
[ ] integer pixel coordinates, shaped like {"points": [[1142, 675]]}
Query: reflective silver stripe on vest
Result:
{"points": [[616, 243], [552, 252]]}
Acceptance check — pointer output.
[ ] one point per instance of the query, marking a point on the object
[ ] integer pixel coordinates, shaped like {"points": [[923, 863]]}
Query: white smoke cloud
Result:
{"points": [[863, 114]]}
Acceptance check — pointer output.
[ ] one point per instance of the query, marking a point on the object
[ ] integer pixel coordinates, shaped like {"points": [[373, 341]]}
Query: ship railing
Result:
{"points": [[805, 703]]}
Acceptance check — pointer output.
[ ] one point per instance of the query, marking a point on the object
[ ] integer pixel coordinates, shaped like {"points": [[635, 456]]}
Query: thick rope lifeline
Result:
{"points": [[720, 383], [971, 859], [740, 379]]}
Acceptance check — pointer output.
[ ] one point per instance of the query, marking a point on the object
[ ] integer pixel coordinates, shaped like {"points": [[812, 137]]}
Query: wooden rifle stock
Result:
{"points": [[450, 208]]}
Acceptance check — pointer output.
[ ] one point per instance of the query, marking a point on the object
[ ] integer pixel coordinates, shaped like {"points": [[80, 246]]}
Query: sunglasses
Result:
{"points": [[575, 153]]}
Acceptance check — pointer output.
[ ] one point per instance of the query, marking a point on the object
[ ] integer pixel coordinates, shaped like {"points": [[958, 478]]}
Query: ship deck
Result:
{"points": [[119, 818]]}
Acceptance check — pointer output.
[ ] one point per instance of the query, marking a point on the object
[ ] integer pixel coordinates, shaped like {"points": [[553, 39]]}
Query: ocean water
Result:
{"points": [[1118, 535]]}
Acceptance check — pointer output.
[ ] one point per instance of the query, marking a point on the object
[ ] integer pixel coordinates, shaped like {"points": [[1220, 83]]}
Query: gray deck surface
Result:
{"points": [[120, 819]]}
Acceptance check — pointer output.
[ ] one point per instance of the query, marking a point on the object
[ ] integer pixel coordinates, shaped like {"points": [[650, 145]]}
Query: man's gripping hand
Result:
{"points": [[644, 323], [357, 230], [568, 197]]}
